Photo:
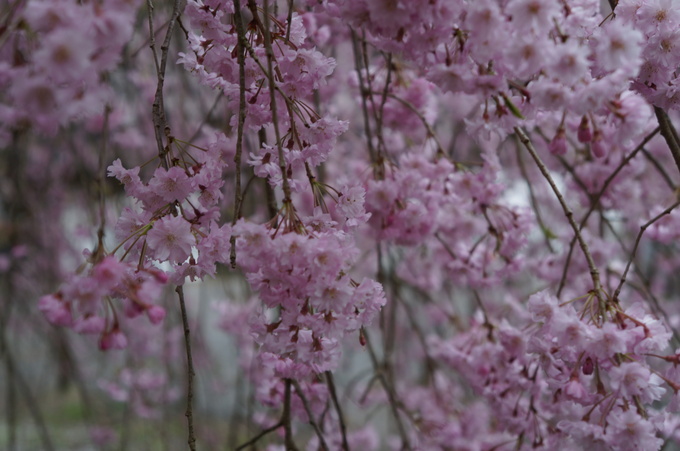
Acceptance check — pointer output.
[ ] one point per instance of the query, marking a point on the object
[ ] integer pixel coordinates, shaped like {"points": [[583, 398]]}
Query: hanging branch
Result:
{"points": [[284, 422], [190, 369], [669, 134], [596, 199], [364, 93], [161, 128], [594, 273], [643, 228], [158, 109], [391, 395], [310, 414], [336, 403], [241, 53]]}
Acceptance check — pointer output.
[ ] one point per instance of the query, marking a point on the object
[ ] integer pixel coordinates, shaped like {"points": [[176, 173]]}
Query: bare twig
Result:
{"points": [[310, 414], [645, 288], [596, 199], [272, 94], [262, 433], [286, 418], [338, 409], [391, 395], [241, 53], [158, 109], [364, 93], [534, 202], [594, 273], [643, 228], [660, 169], [101, 175], [669, 134], [190, 369]]}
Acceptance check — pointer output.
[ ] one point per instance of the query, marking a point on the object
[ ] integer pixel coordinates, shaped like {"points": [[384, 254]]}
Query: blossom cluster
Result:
{"points": [[382, 199], [580, 381], [59, 51], [310, 301]]}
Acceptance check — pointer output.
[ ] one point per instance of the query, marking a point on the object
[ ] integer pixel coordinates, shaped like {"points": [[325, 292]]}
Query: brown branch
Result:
{"points": [[262, 433], [241, 53], [190, 369], [310, 414], [643, 228], [364, 93], [669, 134], [534, 202], [645, 289], [338, 409], [391, 395], [286, 418], [594, 273], [596, 199], [158, 109], [269, 51], [660, 169]]}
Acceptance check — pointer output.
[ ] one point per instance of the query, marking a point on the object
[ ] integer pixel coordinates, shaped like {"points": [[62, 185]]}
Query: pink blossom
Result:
{"points": [[55, 310], [172, 184], [114, 339], [171, 238]]}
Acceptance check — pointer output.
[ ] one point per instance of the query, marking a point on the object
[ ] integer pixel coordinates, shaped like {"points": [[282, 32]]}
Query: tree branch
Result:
{"points": [[594, 273], [190, 370]]}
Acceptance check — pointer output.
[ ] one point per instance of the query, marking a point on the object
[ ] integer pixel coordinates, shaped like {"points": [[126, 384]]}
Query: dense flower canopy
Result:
{"points": [[460, 214]]}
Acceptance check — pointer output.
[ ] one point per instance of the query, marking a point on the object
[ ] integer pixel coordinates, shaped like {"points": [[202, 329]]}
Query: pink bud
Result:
{"points": [[597, 147], [113, 340], [558, 145], [156, 314], [588, 366], [584, 135]]}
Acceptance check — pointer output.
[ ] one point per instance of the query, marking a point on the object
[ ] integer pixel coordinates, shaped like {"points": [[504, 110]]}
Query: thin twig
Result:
{"points": [[669, 134], [338, 409], [101, 175], [660, 169], [286, 418], [158, 108], [261, 434], [430, 131], [272, 94], [190, 369], [594, 273], [364, 92], [534, 202], [643, 228], [310, 414], [391, 395], [596, 199], [645, 289], [241, 53]]}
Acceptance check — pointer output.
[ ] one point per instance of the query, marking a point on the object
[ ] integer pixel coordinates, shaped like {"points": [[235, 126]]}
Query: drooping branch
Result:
{"points": [[643, 228], [594, 273], [190, 369], [669, 134], [241, 54], [310, 415]]}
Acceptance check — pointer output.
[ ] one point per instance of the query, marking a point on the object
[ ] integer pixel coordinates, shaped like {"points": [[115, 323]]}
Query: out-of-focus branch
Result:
{"points": [[669, 134]]}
